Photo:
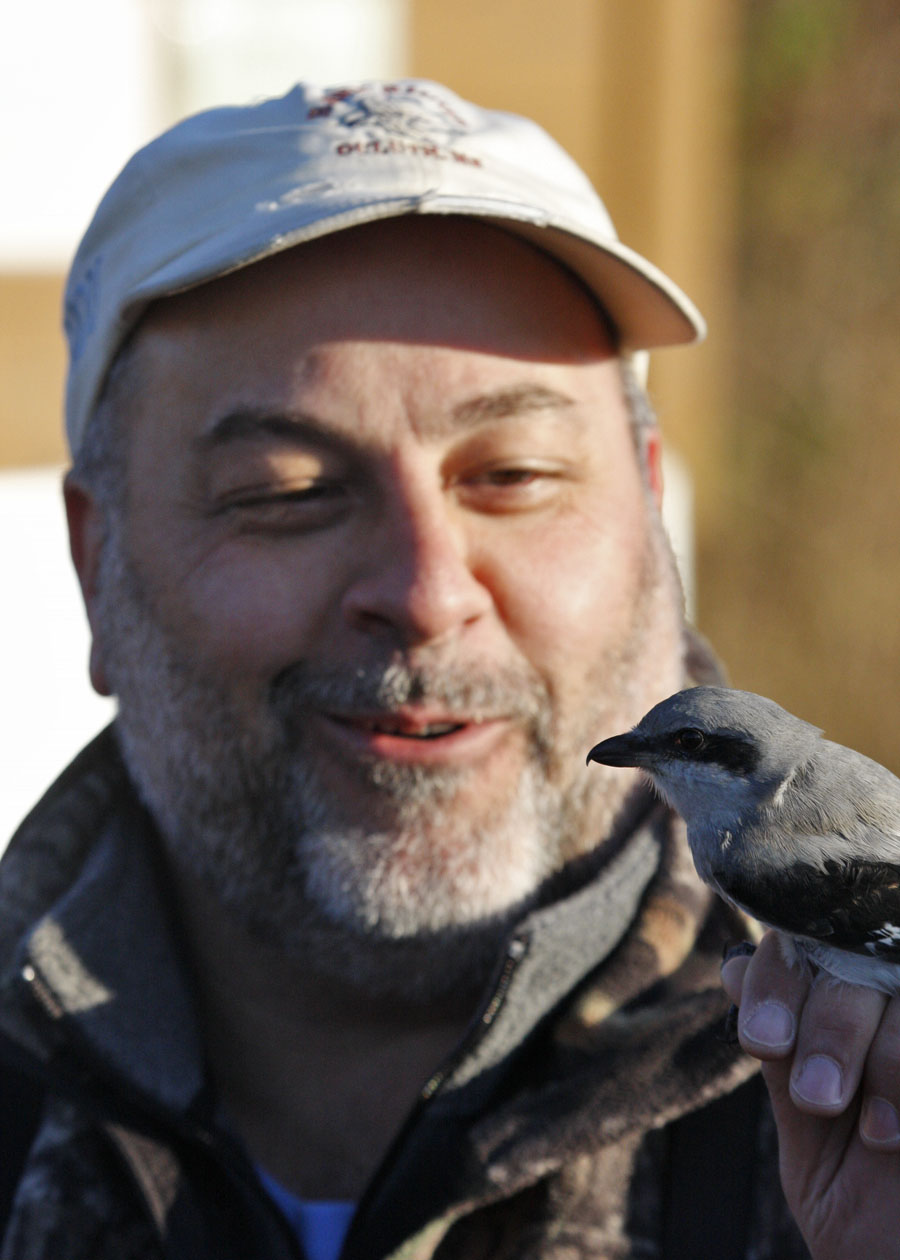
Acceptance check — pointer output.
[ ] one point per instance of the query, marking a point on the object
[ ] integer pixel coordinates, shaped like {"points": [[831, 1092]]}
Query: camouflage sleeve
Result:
{"points": [[76, 1201]]}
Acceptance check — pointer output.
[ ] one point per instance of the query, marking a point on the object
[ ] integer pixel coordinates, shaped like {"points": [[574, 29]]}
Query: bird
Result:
{"points": [[798, 832]]}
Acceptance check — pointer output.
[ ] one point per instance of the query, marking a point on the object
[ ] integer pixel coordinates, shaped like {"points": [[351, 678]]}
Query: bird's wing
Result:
{"points": [[851, 795], [851, 904]]}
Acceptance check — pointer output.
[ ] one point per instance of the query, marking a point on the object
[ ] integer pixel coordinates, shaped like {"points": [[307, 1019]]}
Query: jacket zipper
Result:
{"points": [[42, 993], [516, 949]]}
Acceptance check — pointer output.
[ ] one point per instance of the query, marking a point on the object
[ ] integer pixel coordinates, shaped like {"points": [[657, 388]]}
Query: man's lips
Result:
{"points": [[406, 725], [416, 734]]}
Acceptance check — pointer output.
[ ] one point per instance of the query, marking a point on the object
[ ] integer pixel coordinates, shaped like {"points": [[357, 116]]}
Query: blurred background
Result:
{"points": [[749, 147]]}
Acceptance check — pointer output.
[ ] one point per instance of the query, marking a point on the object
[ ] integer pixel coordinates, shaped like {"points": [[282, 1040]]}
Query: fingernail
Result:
{"points": [[771, 1024], [819, 1081], [880, 1122]]}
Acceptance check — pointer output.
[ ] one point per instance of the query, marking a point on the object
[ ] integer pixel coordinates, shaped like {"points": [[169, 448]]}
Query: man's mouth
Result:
{"points": [[410, 735], [404, 730]]}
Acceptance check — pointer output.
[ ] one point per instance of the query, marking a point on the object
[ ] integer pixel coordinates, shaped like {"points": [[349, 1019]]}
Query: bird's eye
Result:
{"points": [[690, 740]]}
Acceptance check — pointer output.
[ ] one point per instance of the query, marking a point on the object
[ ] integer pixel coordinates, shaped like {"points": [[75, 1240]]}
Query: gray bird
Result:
{"points": [[800, 833]]}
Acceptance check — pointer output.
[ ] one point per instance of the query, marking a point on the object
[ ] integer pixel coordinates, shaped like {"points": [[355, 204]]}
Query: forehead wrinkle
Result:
{"points": [[505, 403]]}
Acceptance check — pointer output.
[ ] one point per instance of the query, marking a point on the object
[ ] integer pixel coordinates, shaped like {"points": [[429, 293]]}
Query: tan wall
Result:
{"points": [[31, 370]]}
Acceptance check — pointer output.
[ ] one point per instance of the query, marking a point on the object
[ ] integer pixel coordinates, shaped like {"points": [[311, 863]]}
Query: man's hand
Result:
{"points": [[831, 1060]]}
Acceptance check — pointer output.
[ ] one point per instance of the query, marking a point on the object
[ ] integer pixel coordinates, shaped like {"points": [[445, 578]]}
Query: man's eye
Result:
{"points": [[503, 488], [307, 506], [513, 476], [526, 477]]}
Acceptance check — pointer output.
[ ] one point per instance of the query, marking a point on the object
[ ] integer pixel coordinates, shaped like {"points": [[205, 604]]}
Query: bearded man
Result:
{"points": [[332, 944]]}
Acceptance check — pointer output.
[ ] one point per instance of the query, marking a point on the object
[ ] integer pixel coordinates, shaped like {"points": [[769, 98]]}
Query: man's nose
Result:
{"points": [[418, 582]]}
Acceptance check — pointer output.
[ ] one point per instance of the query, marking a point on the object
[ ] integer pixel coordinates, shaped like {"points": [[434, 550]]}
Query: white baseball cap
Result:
{"points": [[230, 186]]}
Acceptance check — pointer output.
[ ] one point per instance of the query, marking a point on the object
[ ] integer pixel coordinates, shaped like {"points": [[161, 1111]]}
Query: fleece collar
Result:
{"points": [[89, 959]]}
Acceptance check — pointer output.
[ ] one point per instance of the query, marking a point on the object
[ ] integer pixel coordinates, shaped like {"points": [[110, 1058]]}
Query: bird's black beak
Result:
{"points": [[621, 750]]}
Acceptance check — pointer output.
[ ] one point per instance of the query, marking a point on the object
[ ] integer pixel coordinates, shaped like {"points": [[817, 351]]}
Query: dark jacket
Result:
{"points": [[595, 1108]]}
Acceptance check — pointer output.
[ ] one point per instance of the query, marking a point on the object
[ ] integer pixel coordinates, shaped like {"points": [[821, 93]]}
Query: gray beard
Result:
{"points": [[414, 900]]}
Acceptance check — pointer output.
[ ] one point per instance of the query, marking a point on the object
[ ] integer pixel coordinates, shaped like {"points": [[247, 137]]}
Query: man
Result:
{"points": [[334, 940]]}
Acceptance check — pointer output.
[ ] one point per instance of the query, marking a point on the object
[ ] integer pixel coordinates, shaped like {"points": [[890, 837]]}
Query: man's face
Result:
{"points": [[388, 568]]}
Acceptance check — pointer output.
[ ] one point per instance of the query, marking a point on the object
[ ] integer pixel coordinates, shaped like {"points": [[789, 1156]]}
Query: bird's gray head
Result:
{"points": [[712, 749]]}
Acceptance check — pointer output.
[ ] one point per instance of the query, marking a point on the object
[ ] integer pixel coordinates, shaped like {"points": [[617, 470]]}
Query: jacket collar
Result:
{"points": [[91, 956]]}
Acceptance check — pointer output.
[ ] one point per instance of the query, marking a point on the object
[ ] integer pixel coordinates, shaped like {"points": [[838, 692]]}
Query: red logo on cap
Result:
{"points": [[395, 118]]}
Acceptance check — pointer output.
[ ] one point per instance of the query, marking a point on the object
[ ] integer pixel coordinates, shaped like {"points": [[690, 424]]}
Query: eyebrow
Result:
{"points": [[502, 403], [254, 424], [298, 428]]}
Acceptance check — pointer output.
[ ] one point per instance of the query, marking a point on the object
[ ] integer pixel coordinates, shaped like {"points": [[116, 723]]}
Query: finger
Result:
{"points": [[880, 1120], [772, 994], [812, 1148], [734, 968], [837, 1028]]}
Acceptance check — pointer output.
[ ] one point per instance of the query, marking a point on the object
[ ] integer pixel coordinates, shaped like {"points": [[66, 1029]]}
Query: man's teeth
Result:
{"points": [[432, 731]]}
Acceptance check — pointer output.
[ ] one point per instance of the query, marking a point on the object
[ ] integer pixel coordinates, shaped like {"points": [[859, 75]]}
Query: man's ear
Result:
{"points": [[653, 462], [87, 529]]}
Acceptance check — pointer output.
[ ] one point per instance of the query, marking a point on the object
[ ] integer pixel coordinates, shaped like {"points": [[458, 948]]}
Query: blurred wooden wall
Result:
{"points": [[31, 369]]}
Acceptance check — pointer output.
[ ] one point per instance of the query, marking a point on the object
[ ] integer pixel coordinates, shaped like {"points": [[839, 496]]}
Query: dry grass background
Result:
{"points": [[800, 584]]}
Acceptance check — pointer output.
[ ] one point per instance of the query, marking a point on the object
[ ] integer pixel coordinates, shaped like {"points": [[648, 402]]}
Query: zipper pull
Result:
{"points": [[41, 993]]}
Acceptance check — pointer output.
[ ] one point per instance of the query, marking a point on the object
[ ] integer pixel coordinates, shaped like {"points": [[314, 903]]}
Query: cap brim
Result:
{"points": [[647, 309]]}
